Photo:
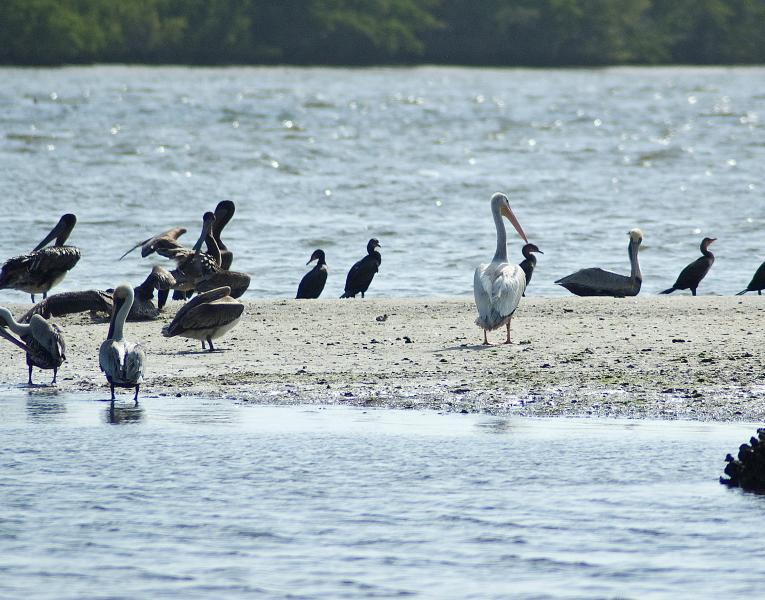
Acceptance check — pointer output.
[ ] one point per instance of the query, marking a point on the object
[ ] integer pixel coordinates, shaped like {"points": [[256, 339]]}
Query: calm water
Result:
{"points": [[330, 157], [199, 499]]}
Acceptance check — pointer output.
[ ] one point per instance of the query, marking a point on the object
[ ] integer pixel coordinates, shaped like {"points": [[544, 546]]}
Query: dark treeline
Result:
{"points": [[360, 32]]}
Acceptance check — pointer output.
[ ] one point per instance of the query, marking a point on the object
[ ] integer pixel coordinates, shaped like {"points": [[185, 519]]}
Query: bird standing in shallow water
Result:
{"points": [[758, 282], [529, 262], [42, 341], [499, 286], [43, 268], [691, 276], [362, 273], [121, 361], [313, 282]]}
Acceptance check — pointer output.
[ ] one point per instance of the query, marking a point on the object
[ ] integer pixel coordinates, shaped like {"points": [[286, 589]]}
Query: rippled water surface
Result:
{"points": [[197, 499], [331, 157]]}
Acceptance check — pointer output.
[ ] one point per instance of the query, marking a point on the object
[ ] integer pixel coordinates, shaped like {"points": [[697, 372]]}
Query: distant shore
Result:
{"points": [[645, 357]]}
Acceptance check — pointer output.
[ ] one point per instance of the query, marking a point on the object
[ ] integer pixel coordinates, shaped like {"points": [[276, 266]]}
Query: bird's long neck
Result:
{"points": [[17, 328], [213, 249], [202, 237], [705, 251], [501, 253], [632, 250], [119, 317]]}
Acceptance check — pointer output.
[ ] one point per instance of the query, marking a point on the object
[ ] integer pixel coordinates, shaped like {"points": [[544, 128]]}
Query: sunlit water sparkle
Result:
{"points": [[331, 157]]}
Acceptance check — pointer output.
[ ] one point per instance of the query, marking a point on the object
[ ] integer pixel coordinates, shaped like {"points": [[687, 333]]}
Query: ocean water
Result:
{"points": [[193, 498], [331, 157]]}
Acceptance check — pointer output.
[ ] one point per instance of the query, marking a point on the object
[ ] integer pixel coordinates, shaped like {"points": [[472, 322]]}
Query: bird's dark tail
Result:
{"points": [[345, 295], [668, 291], [742, 292]]}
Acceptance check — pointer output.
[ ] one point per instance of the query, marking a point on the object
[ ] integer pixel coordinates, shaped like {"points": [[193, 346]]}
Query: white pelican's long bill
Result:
{"points": [[507, 212]]}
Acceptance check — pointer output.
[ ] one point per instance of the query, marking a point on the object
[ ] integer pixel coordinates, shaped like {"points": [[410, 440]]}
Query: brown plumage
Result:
{"points": [[206, 317], [164, 243], [42, 268], [42, 341]]}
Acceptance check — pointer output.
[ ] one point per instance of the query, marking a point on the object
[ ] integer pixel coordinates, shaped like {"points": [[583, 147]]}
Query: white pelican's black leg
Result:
{"points": [[508, 341], [203, 345], [33, 298], [209, 343], [485, 339], [112, 386], [135, 398], [55, 372], [30, 375]]}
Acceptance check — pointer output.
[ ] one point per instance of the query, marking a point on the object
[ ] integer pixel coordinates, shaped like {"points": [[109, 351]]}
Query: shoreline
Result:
{"points": [[645, 357]]}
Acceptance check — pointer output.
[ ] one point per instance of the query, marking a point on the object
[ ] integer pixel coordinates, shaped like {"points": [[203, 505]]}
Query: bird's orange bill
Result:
{"points": [[511, 217]]}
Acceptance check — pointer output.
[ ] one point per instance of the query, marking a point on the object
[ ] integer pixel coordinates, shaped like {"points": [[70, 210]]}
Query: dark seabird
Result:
{"points": [[362, 273], [529, 262], [223, 214], [313, 282], [691, 276], [758, 282], [43, 268], [597, 282]]}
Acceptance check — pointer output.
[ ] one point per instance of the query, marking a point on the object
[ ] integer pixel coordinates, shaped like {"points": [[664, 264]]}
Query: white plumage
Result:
{"points": [[499, 286]]}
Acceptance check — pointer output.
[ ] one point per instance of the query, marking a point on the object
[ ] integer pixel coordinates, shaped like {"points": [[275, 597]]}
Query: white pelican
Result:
{"points": [[498, 286], [121, 361], [42, 268], [42, 341]]}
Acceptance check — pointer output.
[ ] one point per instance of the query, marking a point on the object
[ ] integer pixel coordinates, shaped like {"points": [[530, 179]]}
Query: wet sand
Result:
{"points": [[646, 357]]}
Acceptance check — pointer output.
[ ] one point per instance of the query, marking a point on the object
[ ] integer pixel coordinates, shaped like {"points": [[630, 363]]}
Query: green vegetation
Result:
{"points": [[361, 32]]}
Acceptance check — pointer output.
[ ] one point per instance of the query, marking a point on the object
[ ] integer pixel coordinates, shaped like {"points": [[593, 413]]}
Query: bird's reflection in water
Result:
{"points": [[498, 425], [124, 415], [43, 404]]}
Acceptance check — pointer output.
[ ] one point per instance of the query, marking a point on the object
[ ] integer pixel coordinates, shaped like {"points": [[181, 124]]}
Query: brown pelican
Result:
{"points": [[691, 275], [67, 303], [597, 282], [143, 308], [121, 361], [238, 282], [498, 286], [43, 268], [758, 282], [100, 301], [223, 214], [362, 273], [206, 317], [529, 261], [164, 243], [193, 265], [313, 282], [42, 341]]}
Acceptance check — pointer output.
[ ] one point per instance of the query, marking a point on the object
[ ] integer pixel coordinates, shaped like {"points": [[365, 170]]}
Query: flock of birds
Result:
{"points": [[206, 316], [204, 280]]}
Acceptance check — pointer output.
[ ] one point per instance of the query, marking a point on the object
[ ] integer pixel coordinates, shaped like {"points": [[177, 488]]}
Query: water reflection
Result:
{"points": [[43, 404], [124, 415]]}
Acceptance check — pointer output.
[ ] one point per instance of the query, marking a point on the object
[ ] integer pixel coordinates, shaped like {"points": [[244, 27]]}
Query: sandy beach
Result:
{"points": [[650, 357]]}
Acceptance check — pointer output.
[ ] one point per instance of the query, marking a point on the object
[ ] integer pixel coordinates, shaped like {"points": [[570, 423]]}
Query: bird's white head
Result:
{"points": [[501, 205], [635, 235]]}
